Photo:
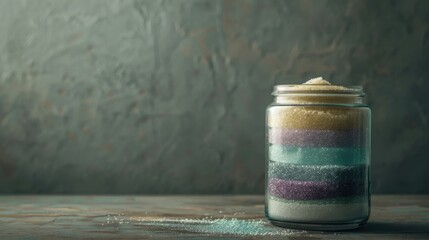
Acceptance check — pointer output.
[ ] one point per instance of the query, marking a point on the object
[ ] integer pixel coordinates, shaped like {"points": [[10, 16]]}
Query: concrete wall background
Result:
{"points": [[169, 96]]}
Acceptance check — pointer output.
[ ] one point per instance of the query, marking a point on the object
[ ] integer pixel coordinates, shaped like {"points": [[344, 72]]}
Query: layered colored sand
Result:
{"points": [[318, 163]]}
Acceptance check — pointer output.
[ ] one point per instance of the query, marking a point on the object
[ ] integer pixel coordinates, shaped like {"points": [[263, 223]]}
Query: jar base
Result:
{"points": [[318, 226]]}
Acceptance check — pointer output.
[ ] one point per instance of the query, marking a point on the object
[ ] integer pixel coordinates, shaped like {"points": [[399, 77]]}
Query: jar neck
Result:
{"points": [[318, 94], [318, 98]]}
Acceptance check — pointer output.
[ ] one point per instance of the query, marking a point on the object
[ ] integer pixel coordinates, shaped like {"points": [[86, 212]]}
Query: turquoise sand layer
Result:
{"points": [[317, 155]]}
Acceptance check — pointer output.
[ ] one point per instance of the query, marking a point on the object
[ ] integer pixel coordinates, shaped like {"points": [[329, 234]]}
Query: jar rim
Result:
{"points": [[318, 89]]}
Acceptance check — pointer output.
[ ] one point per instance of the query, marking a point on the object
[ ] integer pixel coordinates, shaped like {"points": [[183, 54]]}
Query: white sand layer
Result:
{"points": [[298, 212]]}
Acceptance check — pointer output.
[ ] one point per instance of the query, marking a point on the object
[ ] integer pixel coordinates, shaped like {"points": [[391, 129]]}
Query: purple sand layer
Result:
{"points": [[316, 138], [306, 190]]}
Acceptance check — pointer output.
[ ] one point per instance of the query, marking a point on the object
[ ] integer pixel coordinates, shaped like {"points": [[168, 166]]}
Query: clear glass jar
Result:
{"points": [[318, 157]]}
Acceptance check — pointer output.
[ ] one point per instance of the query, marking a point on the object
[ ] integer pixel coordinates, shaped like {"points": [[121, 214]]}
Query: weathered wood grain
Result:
{"points": [[144, 217]]}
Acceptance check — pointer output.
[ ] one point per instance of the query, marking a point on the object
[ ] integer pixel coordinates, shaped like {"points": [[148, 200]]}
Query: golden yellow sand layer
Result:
{"points": [[317, 117]]}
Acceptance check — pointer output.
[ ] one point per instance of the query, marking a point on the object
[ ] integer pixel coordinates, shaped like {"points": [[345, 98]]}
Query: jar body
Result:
{"points": [[318, 166]]}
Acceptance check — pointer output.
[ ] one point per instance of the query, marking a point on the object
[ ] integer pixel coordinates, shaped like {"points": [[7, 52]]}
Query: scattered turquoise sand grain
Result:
{"points": [[231, 226]]}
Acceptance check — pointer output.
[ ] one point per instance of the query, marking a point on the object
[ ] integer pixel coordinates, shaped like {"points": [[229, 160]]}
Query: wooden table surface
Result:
{"points": [[198, 217]]}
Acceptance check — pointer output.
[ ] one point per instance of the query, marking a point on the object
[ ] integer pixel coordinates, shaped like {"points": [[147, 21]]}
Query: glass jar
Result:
{"points": [[318, 157]]}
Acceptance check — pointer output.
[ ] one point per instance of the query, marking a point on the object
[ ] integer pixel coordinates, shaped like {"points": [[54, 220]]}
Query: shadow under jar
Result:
{"points": [[318, 157]]}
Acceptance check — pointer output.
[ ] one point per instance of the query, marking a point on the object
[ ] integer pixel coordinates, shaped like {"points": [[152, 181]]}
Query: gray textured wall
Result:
{"points": [[169, 96]]}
